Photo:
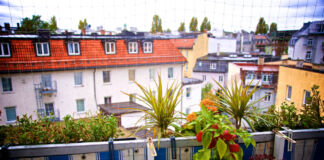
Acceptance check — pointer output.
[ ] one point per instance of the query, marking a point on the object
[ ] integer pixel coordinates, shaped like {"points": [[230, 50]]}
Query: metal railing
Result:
{"points": [[28, 151]]}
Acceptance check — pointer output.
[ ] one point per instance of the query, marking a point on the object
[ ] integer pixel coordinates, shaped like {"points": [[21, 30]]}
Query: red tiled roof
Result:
{"points": [[23, 56], [183, 43], [260, 37]]}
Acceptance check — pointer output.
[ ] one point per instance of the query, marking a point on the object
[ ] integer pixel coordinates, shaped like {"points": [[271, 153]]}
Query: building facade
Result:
{"points": [[308, 43], [75, 74]]}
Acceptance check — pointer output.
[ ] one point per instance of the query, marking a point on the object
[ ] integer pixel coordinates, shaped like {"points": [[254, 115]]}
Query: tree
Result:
{"points": [[156, 24], [193, 24], [168, 30], [83, 24], [53, 25], [32, 25], [262, 27], [205, 25], [273, 27], [182, 27]]}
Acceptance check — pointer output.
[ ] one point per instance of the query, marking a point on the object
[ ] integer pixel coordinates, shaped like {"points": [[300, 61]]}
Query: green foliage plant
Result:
{"points": [[218, 135], [161, 112]]}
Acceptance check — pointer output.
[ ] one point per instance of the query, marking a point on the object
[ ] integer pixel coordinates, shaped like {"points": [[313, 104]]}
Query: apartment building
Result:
{"points": [[308, 43], [265, 76], [79, 74]]}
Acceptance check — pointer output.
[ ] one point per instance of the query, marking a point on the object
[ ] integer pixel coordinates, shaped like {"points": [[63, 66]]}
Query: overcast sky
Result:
{"points": [[230, 15]]}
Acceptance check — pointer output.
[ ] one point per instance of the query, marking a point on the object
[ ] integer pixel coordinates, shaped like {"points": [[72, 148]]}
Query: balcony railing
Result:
{"points": [[309, 146], [48, 89]]}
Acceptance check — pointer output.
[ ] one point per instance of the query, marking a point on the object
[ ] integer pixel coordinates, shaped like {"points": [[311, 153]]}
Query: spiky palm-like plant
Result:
{"points": [[161, 113], [236, 102]]}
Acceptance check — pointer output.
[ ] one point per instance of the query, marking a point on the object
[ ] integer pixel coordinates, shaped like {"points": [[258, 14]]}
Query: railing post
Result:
{"points": [[279, 147]]}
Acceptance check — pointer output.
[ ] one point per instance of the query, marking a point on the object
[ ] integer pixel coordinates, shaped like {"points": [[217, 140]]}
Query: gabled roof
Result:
{"points": [[23, 55], [183, 43]]}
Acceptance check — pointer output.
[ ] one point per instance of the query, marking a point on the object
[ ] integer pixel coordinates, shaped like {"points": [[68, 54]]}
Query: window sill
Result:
{"points": [[73, 54], [8, 92], [148, 52], [81, 112], [133, 52], [10, 122], [107, 83], [110, 53], [77, 86]]}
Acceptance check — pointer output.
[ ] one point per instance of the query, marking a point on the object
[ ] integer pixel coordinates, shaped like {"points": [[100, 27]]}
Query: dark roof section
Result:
{"points": [[188, 81], [121, 108], [304, 68]]}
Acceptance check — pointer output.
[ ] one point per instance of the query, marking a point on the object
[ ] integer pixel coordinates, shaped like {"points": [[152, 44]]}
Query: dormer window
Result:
{"points": [[148, 47], [213, 66], [132, 47], [42, 49], [74, 48], [110, 47], [4, 50]]}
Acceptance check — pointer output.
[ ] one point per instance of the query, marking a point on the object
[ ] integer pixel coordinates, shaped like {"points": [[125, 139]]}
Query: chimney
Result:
{"points": [[261, 61], [205, 30], [102, 32], [300, 63], [7, 26], [83, 31]]}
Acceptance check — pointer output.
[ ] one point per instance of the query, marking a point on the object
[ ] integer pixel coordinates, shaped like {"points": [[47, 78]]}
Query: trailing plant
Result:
{"points": [[45, 131], [217, 135], [236, 102], [161, 112]]}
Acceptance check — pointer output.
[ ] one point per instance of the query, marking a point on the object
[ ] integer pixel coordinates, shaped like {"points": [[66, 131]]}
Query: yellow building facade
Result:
{"points": [[198, 49], [297, 81]]}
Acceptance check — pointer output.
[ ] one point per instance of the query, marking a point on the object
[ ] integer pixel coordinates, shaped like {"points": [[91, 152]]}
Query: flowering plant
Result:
{"points": [[217, 134]]}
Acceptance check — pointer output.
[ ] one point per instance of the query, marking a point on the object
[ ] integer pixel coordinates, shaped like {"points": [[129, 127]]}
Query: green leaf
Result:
{"points": [[203, 154], [197, 127], [240, 153], [206, 139], [253, 142], [221, 148], [247, 142]]}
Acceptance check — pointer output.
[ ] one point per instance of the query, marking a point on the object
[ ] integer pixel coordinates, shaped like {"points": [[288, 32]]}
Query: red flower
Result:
{"points": [[212, 143], [234, 147], [215, 126], [199, 136], [227, 135], [234, 136]]}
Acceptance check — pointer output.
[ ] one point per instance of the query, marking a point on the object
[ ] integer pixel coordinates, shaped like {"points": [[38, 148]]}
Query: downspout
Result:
{"points": [[94, 87]]}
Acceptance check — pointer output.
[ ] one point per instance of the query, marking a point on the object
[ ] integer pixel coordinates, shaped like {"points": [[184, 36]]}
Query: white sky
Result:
{"points": [[230, 15]]}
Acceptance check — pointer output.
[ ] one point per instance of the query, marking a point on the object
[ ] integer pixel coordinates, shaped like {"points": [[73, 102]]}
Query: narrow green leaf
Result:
{"points": [[221, 148], [253, 142], [197, 127]]}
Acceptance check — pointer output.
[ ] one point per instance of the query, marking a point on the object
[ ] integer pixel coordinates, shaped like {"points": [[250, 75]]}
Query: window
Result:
{"points": [[213, 65], [11, 114], [42, 49], [131, 75], [250, 76], [310, 42], [220, 78], [187, 110], [307, 94], [106, 76], [267, 98], [147, 47], [288, 92], [6, 84], [186, 67], [46, 81], [49, 109], [132, 98], [107, 100], [110, 48], [266, 78], [4, 50], [74, 48], [152, 73], [204, 77], [170, 72], [308, 55], [78, 78], [132, 47], [188, 90], [200, 64], [80, 105]]}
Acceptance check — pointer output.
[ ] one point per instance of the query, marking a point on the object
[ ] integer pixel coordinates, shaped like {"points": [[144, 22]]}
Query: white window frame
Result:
{"points": [[188, 92], [308, 55], [304, 100], [152, 73], [75, 78], [3, 84], [170, 75], [266, 77], [213, 66], [267, 98], [132, 47], [42, 49], [12, 121], [108, 97], [73, 48], [110, 47], [287, 94], [147, 47], [76, 101], [2, 50], [103, 78]]}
